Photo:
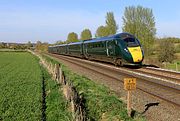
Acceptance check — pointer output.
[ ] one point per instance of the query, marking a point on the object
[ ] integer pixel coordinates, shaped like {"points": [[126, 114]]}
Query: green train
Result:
{"points": [[119, 49]]}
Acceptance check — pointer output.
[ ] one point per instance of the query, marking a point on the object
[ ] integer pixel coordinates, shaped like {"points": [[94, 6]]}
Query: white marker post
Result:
{"points": [[129, 85]]}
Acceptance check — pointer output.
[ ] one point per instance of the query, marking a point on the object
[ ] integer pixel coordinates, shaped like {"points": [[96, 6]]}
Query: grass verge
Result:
{"points": [[56, 105], [100, 102]]}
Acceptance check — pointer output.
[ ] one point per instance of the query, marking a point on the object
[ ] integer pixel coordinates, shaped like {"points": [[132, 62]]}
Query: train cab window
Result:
{"points": [[131, 42]]}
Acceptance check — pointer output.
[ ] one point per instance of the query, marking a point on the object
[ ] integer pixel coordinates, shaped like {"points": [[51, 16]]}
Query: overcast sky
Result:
{"points": [[52, 20]]}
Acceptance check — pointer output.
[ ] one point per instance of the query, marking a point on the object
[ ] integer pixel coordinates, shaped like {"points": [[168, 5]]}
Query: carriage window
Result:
{"points": [[131, 42]]}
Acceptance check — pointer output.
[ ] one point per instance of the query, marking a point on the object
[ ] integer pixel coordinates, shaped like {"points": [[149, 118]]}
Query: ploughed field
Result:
{"points": [[20, 86]]}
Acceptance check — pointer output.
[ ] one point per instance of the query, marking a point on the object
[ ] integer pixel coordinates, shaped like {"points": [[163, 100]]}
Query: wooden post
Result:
{"points": [[129, 85], [60, 75], [50, 68], [129, 102], [54, 71], [57, 73], [176, 66]]}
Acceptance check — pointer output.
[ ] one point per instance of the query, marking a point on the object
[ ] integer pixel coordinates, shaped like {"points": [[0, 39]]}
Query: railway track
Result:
{"points": [[160, 85], [174, 75]]}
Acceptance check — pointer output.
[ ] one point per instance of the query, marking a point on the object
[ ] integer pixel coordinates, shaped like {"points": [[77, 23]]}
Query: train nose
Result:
{"points": [[136, 54]]}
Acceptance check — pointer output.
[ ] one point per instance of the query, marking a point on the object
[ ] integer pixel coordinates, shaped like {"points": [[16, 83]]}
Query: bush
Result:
{"points": [[167, 51]]}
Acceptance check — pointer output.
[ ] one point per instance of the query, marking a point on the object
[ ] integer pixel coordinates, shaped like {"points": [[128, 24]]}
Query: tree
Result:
{"points": [[111, 23], [140, 22], [38, 45], [167, 51], [59, 42], [86, 34], [29, 45], [102, 31], [42, 47], [2, 45], [72, 37]]}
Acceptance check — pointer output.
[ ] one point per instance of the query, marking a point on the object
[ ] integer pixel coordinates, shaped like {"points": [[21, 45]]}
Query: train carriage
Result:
{"points": [[53, 49], [62, 49], [119, 49], [75, 49], [97, 50]]}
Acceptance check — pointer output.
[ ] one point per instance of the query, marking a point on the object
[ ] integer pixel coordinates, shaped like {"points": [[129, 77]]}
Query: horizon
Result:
{"points": [[51, 21]]}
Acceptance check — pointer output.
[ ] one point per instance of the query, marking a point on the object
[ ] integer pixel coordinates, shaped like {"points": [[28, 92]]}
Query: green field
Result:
{"points": [[20, 85], [21, 90]]}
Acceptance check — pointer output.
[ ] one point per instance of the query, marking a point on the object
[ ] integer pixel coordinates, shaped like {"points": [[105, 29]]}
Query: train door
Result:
{"points": [[110, 48], [85, 50]]}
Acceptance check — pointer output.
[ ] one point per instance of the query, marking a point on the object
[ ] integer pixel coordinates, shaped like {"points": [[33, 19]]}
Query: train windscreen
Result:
{"points": [[131, 42]]}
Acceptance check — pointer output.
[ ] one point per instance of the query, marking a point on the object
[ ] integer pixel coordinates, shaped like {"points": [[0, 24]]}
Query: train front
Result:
{"points": [[131, 49]]}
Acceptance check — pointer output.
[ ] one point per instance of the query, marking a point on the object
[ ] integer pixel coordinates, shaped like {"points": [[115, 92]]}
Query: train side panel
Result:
{"points": [[75, 49], [101, 50]]}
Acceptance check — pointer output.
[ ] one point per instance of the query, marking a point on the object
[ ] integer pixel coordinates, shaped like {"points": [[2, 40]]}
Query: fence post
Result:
{"points": [[50, 66], [57, 73], [129, 102], [60, 75], [176, 66], [63, 79], [54, 71]]}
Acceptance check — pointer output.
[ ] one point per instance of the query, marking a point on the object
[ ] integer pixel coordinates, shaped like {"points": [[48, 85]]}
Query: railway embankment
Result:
{"points": [[96, 101], [147, 92]]}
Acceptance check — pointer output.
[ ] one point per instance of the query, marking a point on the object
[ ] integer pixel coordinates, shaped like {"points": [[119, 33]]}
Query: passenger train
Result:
{"points": [[119, 49]]}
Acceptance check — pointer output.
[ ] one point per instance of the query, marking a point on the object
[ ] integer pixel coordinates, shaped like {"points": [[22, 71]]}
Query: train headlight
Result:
{"points": [[126, 50]]}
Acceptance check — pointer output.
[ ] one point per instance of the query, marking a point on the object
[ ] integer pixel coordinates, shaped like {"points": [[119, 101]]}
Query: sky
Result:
{"points": [[52, 20]]}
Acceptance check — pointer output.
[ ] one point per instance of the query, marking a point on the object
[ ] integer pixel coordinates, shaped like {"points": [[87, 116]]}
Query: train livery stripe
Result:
{"points": [[136, 53]]}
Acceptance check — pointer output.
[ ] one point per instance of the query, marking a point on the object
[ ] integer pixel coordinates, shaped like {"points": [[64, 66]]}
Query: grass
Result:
{"points": [[57, 107], [173, 66], [21, 91], [20, 85], [153, 60], [11, 50], [100, 102]]}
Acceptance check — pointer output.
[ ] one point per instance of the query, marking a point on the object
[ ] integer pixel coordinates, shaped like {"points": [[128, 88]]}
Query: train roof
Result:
{"points": [[116, 36], [58, 45], [74, 43]]}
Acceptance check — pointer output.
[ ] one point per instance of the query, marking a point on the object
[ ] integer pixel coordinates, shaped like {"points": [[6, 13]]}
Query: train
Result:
{"points": [[119, 49]]}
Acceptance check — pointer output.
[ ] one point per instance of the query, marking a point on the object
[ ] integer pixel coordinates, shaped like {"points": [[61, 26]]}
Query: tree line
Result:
{"points": [[110, 28], [138, 21]]}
